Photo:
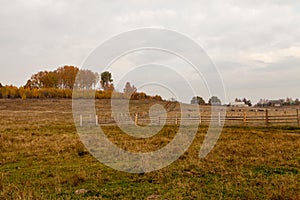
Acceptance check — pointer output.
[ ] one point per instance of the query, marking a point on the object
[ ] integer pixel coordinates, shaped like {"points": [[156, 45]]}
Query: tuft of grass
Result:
{"points": [[269, 171], [75, 179]]}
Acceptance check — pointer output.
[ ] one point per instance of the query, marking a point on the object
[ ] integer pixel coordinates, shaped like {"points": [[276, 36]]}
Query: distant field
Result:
{"points": [[41, 157]]}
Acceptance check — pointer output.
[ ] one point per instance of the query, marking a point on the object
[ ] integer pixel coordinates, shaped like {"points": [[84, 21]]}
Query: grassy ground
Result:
{"points": [[41, 157]]}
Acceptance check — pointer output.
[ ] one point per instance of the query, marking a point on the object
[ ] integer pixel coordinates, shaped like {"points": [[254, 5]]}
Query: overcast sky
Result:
{"points": [[254, 43]]}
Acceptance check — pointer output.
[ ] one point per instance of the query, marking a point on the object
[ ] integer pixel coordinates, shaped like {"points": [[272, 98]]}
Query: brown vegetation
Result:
{"points": [[41, 157]]}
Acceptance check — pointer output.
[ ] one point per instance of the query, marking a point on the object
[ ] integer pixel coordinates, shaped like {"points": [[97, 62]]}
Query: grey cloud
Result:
{"points": [[46, 34]]}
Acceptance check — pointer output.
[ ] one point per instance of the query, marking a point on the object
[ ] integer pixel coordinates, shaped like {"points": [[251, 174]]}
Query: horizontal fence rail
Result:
{"points": [[265, 118]]}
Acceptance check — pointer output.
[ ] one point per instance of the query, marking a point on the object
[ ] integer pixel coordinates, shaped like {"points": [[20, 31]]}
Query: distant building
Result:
{"points": [[275, 103], [238, 104], [271, 103]]}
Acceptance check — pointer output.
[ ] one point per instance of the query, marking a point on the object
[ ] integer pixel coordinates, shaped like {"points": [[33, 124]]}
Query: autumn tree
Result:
{"points": [[11, 92], [43, 79], [157, 98], [106, 80], [129, 90], [28, 84], [140, 95], [49, 80], [66, 76], [63, 77], [86, 79], [35, 81]]}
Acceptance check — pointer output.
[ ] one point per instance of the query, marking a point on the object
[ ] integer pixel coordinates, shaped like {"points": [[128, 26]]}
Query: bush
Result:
{"points": [[23, 96], [68, 93]]}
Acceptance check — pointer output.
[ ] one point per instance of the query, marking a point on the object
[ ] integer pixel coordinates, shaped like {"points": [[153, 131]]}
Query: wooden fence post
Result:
{"points": [[199, 118], [219, 119], [136, 119], [80, 122], [176, 120], [245, 118], [97, 123], [298, 122], [267, 117]]}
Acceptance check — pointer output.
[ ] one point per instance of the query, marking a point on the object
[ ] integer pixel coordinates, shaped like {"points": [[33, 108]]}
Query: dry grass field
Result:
{"points": [[42, 157]]}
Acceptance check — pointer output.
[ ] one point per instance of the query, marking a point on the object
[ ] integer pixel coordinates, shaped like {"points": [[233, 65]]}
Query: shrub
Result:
{"points": [[23, 96]]}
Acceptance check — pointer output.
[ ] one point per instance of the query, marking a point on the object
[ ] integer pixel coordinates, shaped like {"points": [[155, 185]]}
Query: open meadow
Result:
{"points": [[42, 157]]}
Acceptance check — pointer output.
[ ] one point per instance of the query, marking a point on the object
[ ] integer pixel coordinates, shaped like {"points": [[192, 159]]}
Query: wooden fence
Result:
{"points": [[246, 118]]}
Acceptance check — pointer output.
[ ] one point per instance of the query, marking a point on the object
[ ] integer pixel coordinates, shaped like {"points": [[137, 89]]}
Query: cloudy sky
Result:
{"points": [[254, 44]]}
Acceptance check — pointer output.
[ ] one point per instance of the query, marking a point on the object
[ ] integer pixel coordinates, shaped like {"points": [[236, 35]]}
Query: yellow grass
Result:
{"points": [[41, 157]]}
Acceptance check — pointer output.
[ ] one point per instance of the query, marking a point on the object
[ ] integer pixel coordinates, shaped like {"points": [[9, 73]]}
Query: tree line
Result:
{"points": [[60, 83], [63, 78], [214, 100]]}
